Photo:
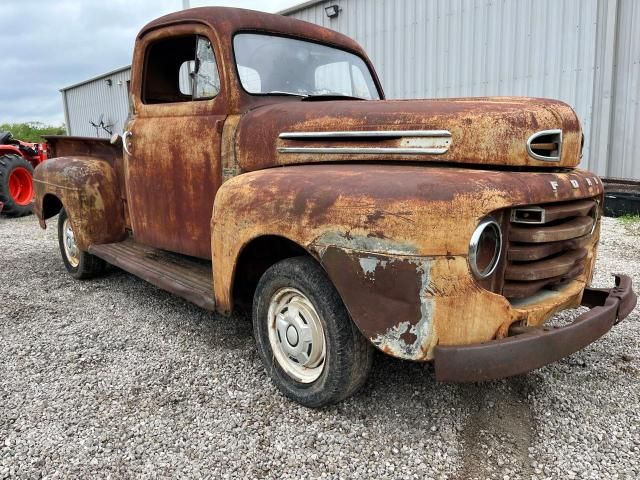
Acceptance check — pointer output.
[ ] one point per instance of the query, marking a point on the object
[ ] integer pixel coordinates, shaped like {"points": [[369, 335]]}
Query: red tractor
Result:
{"points": [[17, 161]]}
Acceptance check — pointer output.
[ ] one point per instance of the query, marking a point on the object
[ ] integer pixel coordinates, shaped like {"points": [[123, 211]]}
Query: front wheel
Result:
{"points": [[79, 264], [308, 344]]}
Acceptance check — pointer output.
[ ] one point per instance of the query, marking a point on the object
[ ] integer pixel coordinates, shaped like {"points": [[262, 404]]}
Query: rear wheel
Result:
{"points": [[16, 185], [78, 263], [308, 344]]}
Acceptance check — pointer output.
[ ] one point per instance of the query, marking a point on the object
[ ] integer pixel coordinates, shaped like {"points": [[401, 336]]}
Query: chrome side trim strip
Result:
{"points": [[541, 133], [366, 133], [365, 150]]}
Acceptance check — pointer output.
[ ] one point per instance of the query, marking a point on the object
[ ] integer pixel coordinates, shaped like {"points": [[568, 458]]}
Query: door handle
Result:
{"points": [[125, 144]]}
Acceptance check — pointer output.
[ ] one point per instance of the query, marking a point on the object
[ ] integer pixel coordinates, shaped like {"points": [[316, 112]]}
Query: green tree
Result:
{"points": [[32, 131]]}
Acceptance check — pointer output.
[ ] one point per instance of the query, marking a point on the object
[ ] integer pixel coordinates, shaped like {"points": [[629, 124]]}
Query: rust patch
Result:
{"points": [[230, 166], [171, 185], [408, 337], [387, 298], [89, 190], [484, 131], [378, 291]]}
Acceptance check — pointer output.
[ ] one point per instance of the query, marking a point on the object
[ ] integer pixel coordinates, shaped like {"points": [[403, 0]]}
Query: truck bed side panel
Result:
{"points": [[67, 146]]}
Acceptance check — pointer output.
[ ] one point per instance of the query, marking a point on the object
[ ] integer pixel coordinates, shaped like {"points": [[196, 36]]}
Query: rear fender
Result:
{"points": [[88, 189], [10, 149]]}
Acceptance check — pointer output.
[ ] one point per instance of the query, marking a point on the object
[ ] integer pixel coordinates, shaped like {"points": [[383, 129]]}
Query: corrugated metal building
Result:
{"points": [[585, 52], [97, 106]]}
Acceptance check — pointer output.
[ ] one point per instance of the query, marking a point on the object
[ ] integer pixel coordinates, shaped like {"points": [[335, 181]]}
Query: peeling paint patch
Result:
{"points": [[408, 340], [369, 265], [363, 243]]}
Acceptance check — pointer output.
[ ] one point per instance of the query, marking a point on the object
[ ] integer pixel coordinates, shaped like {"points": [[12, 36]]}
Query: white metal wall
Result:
{"points": [[89, 101], [624, 142], [539, 48]]}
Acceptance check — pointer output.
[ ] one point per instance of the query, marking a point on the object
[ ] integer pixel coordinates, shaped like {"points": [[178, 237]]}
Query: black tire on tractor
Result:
{"points": [[81, 265], [12, 164], [296, 292]]}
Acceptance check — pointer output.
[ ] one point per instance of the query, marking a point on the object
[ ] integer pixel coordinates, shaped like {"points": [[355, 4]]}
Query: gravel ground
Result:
{"points": [[115, 378]]}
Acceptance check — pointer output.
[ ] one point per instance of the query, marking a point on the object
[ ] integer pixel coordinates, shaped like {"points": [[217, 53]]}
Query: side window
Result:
{"points": [[180, 69], [207, 81]]}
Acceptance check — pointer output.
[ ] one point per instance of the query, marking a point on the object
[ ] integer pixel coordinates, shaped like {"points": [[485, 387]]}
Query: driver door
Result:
{"points": [[173, 166]]}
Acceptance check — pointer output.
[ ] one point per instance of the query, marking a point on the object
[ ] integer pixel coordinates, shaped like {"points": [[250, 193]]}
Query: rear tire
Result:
{"points": [[81, 265], [16, 185], [308, 344]]}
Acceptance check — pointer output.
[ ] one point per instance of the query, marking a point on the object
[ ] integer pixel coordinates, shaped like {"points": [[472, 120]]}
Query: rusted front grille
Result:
{"points": [[547, 246]]}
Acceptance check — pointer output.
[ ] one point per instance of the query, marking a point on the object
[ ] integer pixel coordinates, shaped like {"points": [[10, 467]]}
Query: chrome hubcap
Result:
{"points": [[69, 241], [296, 335]]}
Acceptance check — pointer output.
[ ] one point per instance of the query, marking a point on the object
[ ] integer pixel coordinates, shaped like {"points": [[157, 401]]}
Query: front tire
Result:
{"points": [[16, 185], [307, 342], [80, 264]]}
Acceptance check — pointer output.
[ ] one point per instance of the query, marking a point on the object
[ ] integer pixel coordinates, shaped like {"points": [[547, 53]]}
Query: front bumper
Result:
{"points": [[533, 347]]}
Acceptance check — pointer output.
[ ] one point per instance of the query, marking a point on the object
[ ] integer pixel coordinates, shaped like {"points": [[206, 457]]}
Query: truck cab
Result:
{"points": [[262, 165]]}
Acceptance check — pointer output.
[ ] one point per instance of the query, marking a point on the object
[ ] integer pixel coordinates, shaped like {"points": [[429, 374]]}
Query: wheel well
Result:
{"points": [[255, 259], [51, 205]]}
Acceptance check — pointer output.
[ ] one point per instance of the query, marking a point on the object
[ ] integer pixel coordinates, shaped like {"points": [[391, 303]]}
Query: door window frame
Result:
{"points": [[207, 106]]}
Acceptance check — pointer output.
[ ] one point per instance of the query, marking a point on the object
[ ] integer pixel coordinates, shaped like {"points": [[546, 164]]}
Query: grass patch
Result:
{"points": [[630, 219], [631, 222]]}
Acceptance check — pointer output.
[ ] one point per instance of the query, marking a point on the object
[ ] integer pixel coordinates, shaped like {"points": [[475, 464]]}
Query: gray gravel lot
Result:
{"points": [[115, 378]]}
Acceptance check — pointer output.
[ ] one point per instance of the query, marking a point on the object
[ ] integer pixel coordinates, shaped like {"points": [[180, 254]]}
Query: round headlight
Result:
{"points": [[485, 248]]}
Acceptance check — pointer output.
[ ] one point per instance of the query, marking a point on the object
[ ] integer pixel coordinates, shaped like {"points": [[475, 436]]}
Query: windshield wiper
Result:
{"points": [[330, 96], [281, 92], [316, 97]]}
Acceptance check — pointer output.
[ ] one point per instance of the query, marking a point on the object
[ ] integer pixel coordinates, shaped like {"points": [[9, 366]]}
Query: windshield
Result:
{"points": [[279, 65]]}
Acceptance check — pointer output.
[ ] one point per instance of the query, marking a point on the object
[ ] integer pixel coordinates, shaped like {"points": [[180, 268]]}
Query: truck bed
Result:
{"points": [[67, 146]]}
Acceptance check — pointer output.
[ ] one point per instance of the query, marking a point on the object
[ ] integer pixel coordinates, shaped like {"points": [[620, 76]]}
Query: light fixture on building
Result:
{"points": [[332, 11], [109, 82]]}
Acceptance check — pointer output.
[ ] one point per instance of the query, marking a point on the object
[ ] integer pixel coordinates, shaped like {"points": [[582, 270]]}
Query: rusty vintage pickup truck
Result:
{"points": [[262, 166]]}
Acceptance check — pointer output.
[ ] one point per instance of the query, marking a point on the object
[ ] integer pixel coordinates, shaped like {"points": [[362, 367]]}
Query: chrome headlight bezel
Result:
{"points": [[486, 223]]}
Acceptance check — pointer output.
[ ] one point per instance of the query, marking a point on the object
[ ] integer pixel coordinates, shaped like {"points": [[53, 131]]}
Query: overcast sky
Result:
{"points": [[50, 44]]}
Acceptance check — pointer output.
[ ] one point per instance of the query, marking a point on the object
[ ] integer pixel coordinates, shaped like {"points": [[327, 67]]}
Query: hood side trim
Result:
{"points": [[365, 150], [365, 133]]}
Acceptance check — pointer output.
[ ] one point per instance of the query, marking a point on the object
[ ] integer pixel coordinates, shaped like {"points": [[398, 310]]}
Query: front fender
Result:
{"points": [[393, 239], [88, 189]]}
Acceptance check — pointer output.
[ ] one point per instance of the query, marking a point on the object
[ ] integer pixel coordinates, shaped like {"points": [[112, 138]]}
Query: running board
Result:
{"points": [[186, 277]]}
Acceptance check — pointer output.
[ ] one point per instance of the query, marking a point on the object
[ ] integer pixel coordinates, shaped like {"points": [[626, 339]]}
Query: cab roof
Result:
{"points": [[227, 21]]}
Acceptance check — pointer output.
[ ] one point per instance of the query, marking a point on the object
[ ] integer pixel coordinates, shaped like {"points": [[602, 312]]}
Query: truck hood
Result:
{"points": [[504, 131]]}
